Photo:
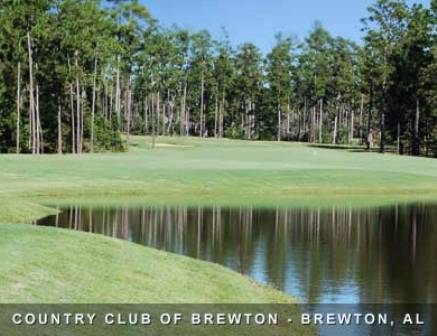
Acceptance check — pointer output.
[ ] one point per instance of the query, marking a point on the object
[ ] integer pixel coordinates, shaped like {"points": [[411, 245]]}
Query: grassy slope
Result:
{"points": [[51, 265], [79, 267]]}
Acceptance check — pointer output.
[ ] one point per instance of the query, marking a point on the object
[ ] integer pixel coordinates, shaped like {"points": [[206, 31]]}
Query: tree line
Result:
{"points": [[77, 74]]}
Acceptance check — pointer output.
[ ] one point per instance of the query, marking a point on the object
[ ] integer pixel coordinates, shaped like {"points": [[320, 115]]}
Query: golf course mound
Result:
{"points": [[49, 265]]}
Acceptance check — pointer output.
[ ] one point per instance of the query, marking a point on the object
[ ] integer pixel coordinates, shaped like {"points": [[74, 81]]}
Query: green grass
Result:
{"points": [[53, 265], [47, 265], [224, 171]]}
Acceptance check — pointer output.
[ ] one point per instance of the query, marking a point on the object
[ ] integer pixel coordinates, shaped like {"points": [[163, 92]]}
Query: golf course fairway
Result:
{"points": [[81, 267]]}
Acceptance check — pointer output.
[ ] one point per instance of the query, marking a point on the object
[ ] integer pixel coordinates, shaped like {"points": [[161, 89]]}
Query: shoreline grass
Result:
{"points": [[49, 265]]}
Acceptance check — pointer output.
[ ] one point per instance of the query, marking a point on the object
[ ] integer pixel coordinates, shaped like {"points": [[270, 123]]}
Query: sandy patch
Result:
{"points": [[164, 145]]}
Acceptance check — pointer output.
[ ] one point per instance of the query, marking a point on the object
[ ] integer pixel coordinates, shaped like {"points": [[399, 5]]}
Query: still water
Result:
{"points": [[378, 255]]}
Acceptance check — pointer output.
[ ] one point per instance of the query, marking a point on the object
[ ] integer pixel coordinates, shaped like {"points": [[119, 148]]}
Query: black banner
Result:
{"points": [[217, 319]]}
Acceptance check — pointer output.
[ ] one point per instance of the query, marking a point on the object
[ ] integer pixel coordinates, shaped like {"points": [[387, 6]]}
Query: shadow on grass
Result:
{"points": [[353, 149]]}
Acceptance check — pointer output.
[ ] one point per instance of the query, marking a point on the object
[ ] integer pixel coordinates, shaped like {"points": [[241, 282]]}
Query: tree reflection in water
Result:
{"points": [[319, 255]]}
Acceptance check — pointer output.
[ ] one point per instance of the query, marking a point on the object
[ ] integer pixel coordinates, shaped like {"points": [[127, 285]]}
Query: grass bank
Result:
{"points": [[52, 266]]}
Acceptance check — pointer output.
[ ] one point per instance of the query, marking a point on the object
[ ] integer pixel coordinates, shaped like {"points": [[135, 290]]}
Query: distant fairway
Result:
{"points": [[195, 170], [178, 170]]}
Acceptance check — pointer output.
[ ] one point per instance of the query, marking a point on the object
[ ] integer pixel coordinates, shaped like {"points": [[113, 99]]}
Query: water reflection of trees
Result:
{"points": [[385, 254]]}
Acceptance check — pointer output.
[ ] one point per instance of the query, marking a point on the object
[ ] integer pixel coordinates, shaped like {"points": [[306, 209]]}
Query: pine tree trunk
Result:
{"points": [[202, 91], [158, 113], [361, 118], [73, 130], [369, 120], [186, 116], [82, 117], [93, 106], [118, 94], [111, 101], [313, 124], [416, 140], [250, 120], [253, 119], [299, 123], [78, 110], [153, 121], [279, 119], [216, 115], [32, 116], [288, 115], [382, 130], [321, 121], [38, 124], [18, 107], [129, 107], [382, 114], [182, 126], [146, 114], [351, 130], [59, 127], [334, 132], [222, 114]]}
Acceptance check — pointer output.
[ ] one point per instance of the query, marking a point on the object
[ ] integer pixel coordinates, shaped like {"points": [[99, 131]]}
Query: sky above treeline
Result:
{"points": [[258, 21]]}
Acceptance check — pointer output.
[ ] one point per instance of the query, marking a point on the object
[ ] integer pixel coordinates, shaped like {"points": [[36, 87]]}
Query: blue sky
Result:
{"points": [[258, 21]]}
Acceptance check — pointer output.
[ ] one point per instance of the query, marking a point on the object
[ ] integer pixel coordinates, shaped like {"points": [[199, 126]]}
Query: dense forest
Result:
{"points": [[75, 75]]}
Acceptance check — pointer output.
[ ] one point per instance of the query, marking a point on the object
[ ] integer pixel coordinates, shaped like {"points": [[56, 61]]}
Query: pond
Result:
{"points": [[337, 255]]}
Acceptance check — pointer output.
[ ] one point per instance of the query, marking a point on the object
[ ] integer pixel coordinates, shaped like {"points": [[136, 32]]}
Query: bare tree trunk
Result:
{"points": [[250, 120], [93, 106], [118, 94], [361, 118], [111, 101], [170, 103], [222, 112], [202, 92], [334, 132], [321, 121], [382, 116], [382, 130], [39, 145], [31, 97], [216, 115], [158, 112], [182, 126], [146, 114], [59, 127], [152, 118], [398, 137], [279, 119], [305, 118], [129, 107], [186, 117], [154, 108], [253, 119], [288, 115], [351, 130], [299, 123], [82, 117], [18, 106], [369, 120], [73, 131], [78, 110], [313, 124], [416, 139]]}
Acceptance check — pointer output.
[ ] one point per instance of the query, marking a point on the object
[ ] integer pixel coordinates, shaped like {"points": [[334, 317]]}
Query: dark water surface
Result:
{"points": [[379, 255]]}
